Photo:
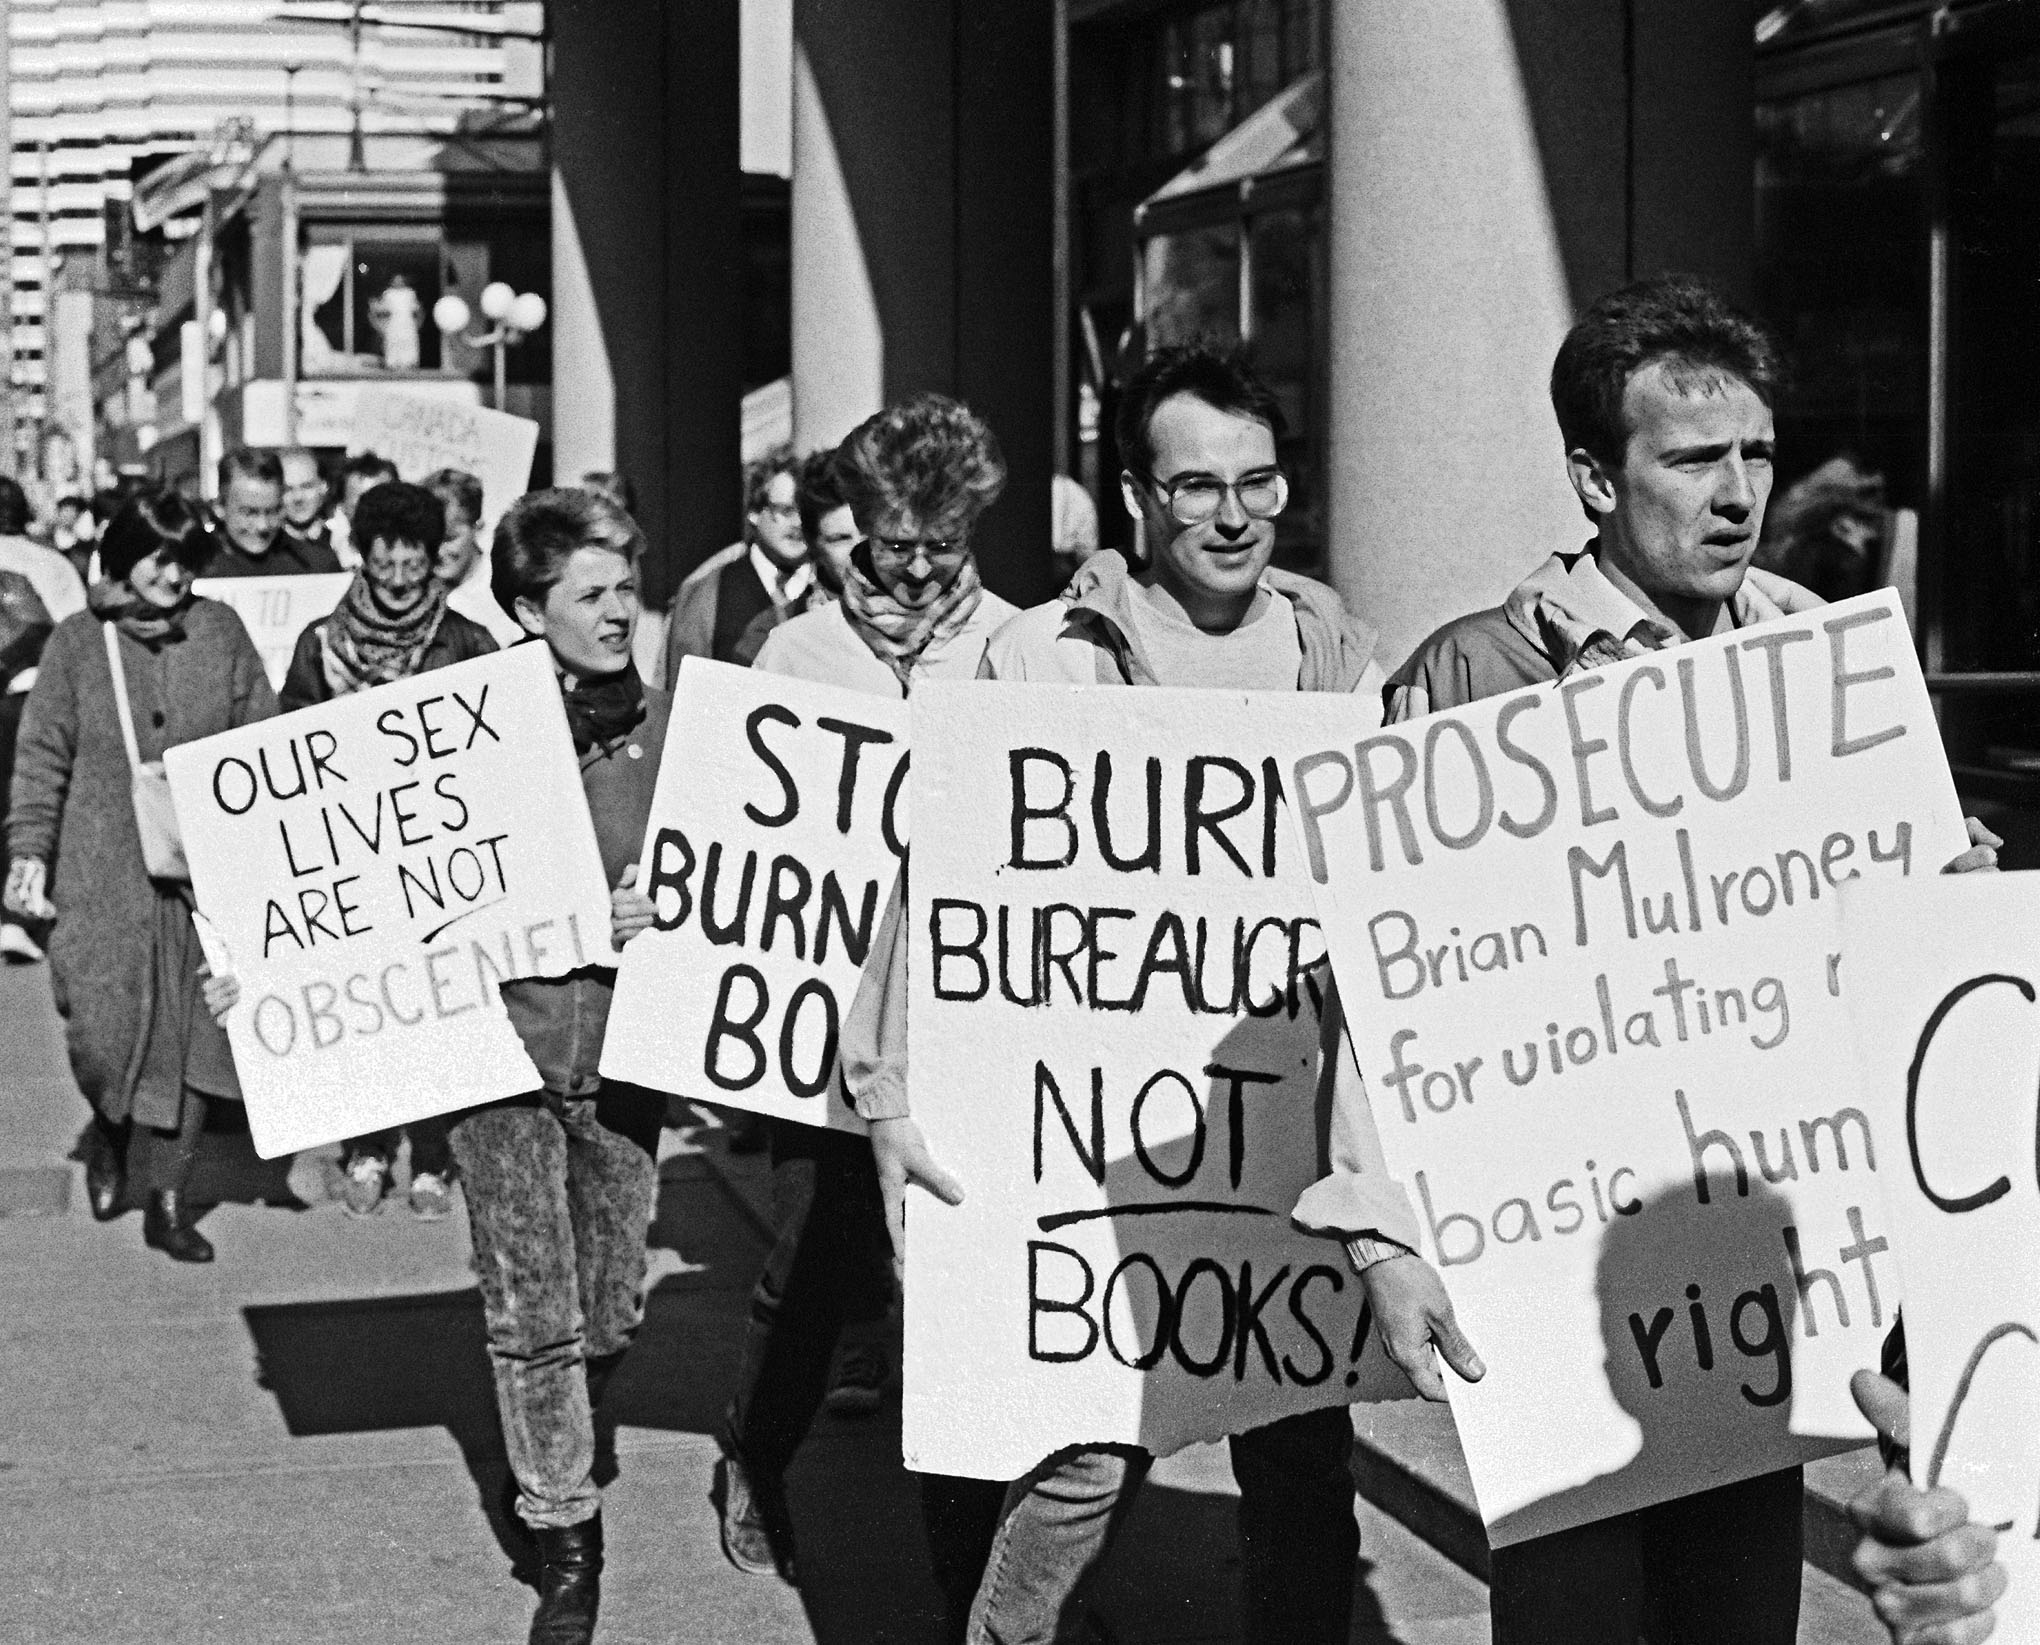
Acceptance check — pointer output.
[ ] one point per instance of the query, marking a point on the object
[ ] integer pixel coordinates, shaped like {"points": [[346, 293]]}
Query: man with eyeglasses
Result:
{"points": [[1202, 608], [764, 575]]}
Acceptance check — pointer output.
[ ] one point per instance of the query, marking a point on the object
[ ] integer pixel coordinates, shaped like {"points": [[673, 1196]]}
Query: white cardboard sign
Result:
{"points": [[276, 610], [375, 866], [420, 433], [775, 835], [1586, 935], [1115, 986], [1942, 986]]}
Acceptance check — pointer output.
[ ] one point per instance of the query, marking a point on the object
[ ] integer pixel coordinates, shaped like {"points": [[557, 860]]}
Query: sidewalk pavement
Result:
{"points": [[298, 1442]]}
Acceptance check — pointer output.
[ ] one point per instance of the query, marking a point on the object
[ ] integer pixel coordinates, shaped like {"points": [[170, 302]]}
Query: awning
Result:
{"points": [[1284, 135]]}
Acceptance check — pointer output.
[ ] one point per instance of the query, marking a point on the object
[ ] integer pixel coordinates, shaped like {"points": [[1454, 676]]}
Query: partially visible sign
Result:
{"points": [[375, 867], [775, 835], [420, 433], [1116, 981], [276, 610], [1586, 936], [1943, 977]]}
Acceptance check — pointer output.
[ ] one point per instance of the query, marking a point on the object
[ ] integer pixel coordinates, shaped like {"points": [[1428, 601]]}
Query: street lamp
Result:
{"points": [[516, 316]]}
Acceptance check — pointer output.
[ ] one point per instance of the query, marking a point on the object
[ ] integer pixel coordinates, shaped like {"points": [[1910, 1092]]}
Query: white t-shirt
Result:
{"points": [[1265, 653]]}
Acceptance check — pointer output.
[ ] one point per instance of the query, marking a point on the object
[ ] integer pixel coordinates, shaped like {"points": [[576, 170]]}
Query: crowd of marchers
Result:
{"points": [[855, 568]]}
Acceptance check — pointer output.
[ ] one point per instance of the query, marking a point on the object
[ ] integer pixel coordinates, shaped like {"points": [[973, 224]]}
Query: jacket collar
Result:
{"points": [[1337, 646]]}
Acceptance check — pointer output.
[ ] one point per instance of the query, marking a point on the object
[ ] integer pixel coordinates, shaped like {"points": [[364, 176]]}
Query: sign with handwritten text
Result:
{"points": [[375, 867], [423, 432], [1586, 936], [776, 831], [1943, 981], [276, 610], [1116, 984]]}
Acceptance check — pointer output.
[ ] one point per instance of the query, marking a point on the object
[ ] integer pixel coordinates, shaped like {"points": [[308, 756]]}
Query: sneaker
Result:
{"points": [[860, 1383], [367, 1178], [431, 1196], [17, 946], [757, 1536]]}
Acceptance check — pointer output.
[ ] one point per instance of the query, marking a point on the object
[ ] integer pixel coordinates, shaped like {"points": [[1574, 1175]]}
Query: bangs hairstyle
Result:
{"points": [[761, 471], [399, 513], [1220, 377], [458, 487], [818, 494], [544, 530], [1675, 321], [157, 521], [930, 455]]}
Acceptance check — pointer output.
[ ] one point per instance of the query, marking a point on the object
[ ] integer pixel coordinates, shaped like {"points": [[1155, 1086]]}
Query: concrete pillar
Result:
{"points": [[1494, 166], [923, 233], [647, 330]]}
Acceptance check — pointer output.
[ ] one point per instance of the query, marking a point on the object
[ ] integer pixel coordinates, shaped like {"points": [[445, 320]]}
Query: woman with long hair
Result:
{"points": [[146, 666]]}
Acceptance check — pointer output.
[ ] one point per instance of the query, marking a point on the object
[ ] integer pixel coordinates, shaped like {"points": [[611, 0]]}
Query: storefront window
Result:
{"points": [[368, 303], [1287, 303], [1211, 66], [1192, 286]]}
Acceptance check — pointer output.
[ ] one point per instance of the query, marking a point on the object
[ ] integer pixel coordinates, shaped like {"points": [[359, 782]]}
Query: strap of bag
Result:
{"points": [[120, 695]]}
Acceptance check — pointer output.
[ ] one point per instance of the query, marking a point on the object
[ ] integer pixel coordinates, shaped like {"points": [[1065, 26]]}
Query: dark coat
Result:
{"points": [[71, 808], [459, 640]]}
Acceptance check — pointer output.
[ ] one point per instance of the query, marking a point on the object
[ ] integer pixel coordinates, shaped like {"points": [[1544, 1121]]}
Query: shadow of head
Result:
{"points": [[1696, 1310]]}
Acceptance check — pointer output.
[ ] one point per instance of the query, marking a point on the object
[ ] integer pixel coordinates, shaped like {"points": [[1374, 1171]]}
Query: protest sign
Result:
{"points": [[420, 433], [375, 866], [276, 610], [1942, 980], [1115, 987], [775, 835], [1586, 937]]}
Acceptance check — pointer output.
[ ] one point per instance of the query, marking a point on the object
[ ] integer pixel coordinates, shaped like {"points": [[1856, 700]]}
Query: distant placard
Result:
{"points": [[775, 836], [1116, 983], [421, 433], [1943, 979], [276, 610], [375, 867], [1586, 936]]}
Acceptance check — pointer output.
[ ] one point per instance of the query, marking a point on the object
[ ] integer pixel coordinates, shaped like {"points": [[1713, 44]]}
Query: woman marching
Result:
{"points": [[392, 622], [147, 666], [559, 1182]]}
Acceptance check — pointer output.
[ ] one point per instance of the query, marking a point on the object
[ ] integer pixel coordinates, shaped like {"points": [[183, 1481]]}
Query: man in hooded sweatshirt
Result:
{"points": [[1204, 609], [1663, 395]]}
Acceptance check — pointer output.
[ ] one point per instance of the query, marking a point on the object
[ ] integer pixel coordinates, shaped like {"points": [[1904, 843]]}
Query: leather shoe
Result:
{"points": [[569, 1583], [105, 1181], [165, 1228]]}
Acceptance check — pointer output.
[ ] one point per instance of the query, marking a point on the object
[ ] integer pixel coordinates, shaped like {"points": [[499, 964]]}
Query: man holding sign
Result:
{"points": [[1663, 395]]}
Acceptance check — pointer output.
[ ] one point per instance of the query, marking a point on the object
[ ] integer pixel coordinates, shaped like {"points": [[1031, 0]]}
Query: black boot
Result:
{"points": [[166, 1228], [569, 1583], [105, 1180]]}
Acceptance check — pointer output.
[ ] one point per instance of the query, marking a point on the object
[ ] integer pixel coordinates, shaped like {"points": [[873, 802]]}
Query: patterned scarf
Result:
{"points": [[150, 625], [896, 635], [362, 645], [601, 710]]}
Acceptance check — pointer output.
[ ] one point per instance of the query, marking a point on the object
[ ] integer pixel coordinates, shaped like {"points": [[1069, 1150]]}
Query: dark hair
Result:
{"points": [[818, 492], [364, 464], [249, 463], [1220, 377], [149, 522], [616, 487], [399, 513], [762, 470], [457, 486], [930, 454], [1675, 321], [543, 530], [14, 514]]}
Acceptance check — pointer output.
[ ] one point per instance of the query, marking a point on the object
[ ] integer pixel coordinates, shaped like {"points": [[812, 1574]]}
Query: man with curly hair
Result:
{"points": [[765, 574]]}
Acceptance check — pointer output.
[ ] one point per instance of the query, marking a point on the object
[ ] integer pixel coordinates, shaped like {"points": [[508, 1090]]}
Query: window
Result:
{"points": [[368, 297]]}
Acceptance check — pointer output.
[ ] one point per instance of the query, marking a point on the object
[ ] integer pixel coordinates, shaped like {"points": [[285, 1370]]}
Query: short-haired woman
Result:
{"points": [[559, 1182], [392, 622], [124, 954]]}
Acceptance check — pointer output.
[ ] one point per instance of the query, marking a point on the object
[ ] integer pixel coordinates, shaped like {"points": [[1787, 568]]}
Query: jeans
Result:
{"points": [[559, 1196], [1298, 1538], [830, 1267], [1717, 1568]]}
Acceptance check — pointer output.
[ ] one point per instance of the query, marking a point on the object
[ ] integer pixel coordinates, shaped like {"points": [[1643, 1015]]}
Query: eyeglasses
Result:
{"points": [[1196, 499], [905, 548], [780, 511]]}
